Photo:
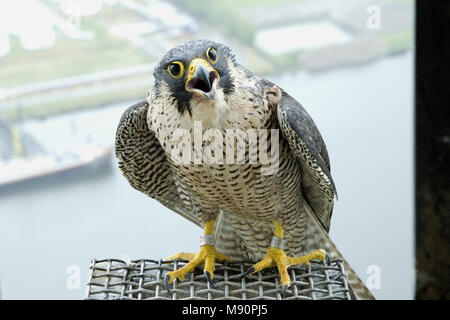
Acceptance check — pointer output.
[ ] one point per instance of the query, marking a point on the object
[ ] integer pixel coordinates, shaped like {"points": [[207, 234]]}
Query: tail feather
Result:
{"points": [[357, 288]]}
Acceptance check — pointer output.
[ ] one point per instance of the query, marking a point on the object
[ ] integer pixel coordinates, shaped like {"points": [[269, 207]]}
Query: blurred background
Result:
{"points": [[68, 69]]}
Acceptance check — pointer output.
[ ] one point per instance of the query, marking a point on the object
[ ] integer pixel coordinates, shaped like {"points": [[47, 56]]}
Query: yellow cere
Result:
{"points": [[193, 66]]}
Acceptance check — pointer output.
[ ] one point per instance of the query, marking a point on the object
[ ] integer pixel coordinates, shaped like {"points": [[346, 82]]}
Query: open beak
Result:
{"points": [[202, 78]]}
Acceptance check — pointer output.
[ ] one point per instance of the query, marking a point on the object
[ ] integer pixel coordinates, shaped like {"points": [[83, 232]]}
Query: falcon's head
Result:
{"points": [[197, 72]]}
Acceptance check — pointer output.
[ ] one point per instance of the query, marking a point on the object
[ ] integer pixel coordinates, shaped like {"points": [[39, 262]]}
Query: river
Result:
{"points": [[50, 231]]}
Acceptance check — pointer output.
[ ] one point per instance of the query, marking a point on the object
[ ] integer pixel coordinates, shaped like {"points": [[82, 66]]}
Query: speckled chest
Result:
{"points": [[240, 188]]}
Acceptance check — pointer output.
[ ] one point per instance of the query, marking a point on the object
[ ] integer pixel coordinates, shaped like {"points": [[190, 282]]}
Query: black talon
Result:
{"points": [[283, 290], [167, 285], [208, 277], [327, 259], [246, 273]]}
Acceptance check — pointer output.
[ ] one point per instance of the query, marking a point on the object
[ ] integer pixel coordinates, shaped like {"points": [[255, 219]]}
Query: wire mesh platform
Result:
{"points": [[115, 279]]}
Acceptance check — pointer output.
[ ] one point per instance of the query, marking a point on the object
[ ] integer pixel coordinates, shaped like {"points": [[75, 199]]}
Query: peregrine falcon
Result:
{"points": [[279, 217]]}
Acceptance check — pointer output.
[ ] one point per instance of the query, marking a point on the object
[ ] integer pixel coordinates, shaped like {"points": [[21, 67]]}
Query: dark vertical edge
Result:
{"points": [[432, 134]]}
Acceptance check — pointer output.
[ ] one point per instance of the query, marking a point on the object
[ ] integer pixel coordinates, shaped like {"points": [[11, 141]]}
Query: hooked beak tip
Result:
{"points": [[203, 82]]}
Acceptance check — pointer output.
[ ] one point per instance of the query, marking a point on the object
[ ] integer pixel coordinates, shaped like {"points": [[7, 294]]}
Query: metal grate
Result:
{"points": [[144, 279]]}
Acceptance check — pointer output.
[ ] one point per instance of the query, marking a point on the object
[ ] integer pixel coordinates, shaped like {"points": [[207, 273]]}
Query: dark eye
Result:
{"points": [[211, 53], [175, 69]]}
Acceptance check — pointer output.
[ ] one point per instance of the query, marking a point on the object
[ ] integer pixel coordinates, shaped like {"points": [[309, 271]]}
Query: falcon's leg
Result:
{"points": [[206, 255], [275, 256]]}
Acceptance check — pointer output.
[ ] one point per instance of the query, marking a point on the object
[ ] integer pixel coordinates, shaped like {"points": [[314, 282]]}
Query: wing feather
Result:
{"points": [[307, 144], [144, 163]]}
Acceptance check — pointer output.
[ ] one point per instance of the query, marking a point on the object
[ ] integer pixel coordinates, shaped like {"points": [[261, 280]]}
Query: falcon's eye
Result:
{"points": [[175, 69], [211, 53]]}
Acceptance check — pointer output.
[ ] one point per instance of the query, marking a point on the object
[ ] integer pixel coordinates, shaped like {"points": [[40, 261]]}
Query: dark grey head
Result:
{"points": [[195, 67]]}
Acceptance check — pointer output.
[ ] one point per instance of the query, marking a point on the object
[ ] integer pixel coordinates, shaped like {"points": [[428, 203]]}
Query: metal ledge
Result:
{"points": [[115, 279]]}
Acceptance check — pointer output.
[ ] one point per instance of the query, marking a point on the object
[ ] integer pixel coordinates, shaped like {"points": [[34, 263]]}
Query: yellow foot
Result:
{"points": [[206, 255], [277, 257]]}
